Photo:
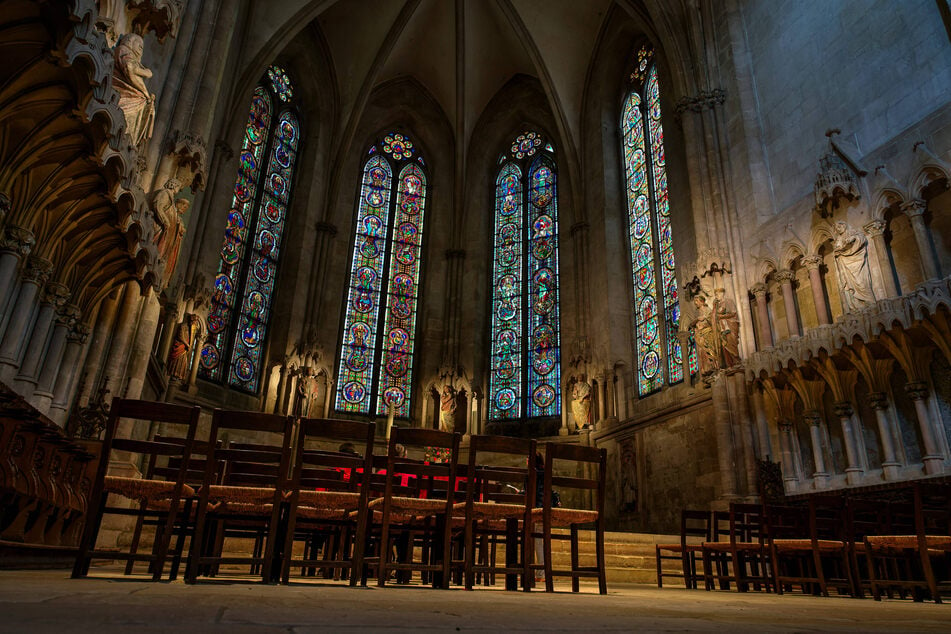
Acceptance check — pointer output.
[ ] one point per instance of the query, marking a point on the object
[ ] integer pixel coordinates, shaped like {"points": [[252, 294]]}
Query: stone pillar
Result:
{"points": [[141, 350], [725, 452], [791, 471], [812, 264], [98, 346], [51, 365], [762, 316], [75, 339], [54, 299], [878, 401], [915, 210], [931, 456], [34, 277], [683, 337], [15, 243], [786, 279], [744, 427], [118, 355], [762, 427], [875, 230], [853, 472], [814, 420], [281, 388], [602, 398], [168, 331]]}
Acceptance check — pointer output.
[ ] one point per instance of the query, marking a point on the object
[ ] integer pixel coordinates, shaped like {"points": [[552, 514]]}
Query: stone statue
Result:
{"points": [[704, 336], [447, 409], [581, 402], [728, 329], [628, 475], [128, 78], [306, 386], [168, 211], [187, 334], [851, 263]]}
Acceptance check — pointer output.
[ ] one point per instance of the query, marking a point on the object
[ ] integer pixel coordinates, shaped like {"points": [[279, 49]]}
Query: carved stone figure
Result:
{"points": [[306, 387], [728, 329], [581, 402], [128, 78], [447, 409], [851, 262], [187, 334], [704, 336], [628, 475]]}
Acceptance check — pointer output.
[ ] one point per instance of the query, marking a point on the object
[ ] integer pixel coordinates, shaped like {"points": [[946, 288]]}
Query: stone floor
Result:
{"points": [[34, 602]]}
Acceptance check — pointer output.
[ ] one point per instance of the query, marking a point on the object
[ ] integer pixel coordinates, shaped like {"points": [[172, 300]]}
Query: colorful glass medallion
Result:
{"points": [[280, 82], [398, 145], [394, 396], [354, 391], [209, 356], [244, 369], [543, 395], [505, 399]]}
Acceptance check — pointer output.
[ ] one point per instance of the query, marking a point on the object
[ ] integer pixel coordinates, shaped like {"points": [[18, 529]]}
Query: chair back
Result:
{"points": [[827, 517], [501, 470], [747, 523], [326, 468], [434, 477], [696, 527], [587, 466]]}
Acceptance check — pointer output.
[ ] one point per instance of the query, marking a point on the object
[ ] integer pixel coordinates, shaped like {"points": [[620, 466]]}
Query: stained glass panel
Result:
{"points": [[505, 379], [358, 356], [225, 294], [260, 276], [399, 325], [281, 83]]}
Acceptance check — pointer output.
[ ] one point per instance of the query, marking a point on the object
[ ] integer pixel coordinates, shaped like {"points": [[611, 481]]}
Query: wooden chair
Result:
{"points": [[578, 461], [695, 529], [922, 560], [741, 556], [863, 517], [248, 501], [320, 497], [499, 501], [403, 513], [169, 488], [809, 546]]}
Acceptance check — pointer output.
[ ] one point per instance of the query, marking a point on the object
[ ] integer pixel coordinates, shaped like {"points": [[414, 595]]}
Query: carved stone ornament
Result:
{"points": [[79, 333], [917, 390], [17, 240], [812, 418], [785, 275], [877, 400], [705, 99], [785, 425], [5, 206], [834, 182], [162, 17], [128, 78], [190, 154], [812, 262], [842, 409], [56, 294], [37, 270]]}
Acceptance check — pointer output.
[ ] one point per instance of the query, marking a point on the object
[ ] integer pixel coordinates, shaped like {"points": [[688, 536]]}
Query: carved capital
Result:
{"points": [[455, 254], [812, 262], [5, 206], [56, 294], [875, 228], [78, 333], [37, 270], [759, 291], [326, 227], [812, 417], [914, 208], [843, 409], [785, 276], [578, 228], [785, 425], [226, 150], [17, 240], [701, 101], [877, 400], [917, 390]]}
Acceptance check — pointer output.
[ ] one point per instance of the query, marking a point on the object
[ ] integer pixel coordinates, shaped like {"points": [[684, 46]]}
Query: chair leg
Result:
{"points": [[574, 558], [90, 535], [136, 535], [660, 574], [599, 546]]}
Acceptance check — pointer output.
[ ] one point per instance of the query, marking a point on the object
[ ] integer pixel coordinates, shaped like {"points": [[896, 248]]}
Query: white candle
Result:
{"points": [[391, 411]]}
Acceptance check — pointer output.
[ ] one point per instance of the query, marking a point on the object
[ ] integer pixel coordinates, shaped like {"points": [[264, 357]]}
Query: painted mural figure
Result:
{"points": [[851, 263], [128, 78]]}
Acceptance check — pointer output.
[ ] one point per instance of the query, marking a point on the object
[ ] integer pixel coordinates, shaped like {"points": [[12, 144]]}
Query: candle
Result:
{"points": [[391, 411]]}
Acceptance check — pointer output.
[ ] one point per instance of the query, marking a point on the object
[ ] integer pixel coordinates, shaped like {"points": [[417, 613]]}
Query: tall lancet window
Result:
{"points": [[379, 332], [244, 284], [525, 367], [656, 307]]}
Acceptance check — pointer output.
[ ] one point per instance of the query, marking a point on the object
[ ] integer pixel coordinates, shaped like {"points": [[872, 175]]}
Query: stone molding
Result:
{"points": [[56, 294], [703, 100], [17, 240], [38, 270], [875, 228], [812, 262]]}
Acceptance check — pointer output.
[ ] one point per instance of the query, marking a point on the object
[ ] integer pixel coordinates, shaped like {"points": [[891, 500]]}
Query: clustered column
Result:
{"points": [[814, 420], [875, 230], [762, 316], [878, 401], [812, 264], [915, 210], [786, 279], [843, 409], [918, 391]]}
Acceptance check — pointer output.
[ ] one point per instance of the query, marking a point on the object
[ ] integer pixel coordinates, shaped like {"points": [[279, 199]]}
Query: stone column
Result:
{"points": [[602, 398], [684, 338], [812, 264], [141, 350], [791, 472], [915, 210], [281, 387], [54, 299], [15, 244], [786, 279], [34, 277], [875, 230], [51, 365], [102, 330], [853, 472], [762, 427], [814, 420], [75, 339], [118, 355], [878, 401], [743, 427], [917, 391], [168, 331], [762, 316], [726, 457]]}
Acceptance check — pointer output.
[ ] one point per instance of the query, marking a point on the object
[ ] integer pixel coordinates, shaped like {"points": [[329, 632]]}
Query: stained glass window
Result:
{"points": [[656, 307], [376, 355], [525, 369], [244, 284]]}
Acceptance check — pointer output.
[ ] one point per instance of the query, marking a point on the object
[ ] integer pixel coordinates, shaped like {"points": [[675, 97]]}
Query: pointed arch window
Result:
{"points": [[657, 350], [244, 284], [379, 333], [525, 365]]}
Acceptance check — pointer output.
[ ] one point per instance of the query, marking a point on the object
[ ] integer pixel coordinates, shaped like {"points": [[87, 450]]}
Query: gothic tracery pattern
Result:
{"points": [[244, 284], [376, 356], [526, 338]]}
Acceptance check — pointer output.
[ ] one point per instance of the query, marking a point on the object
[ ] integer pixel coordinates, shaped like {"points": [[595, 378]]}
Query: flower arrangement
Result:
{"points": [[438, 454]]}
